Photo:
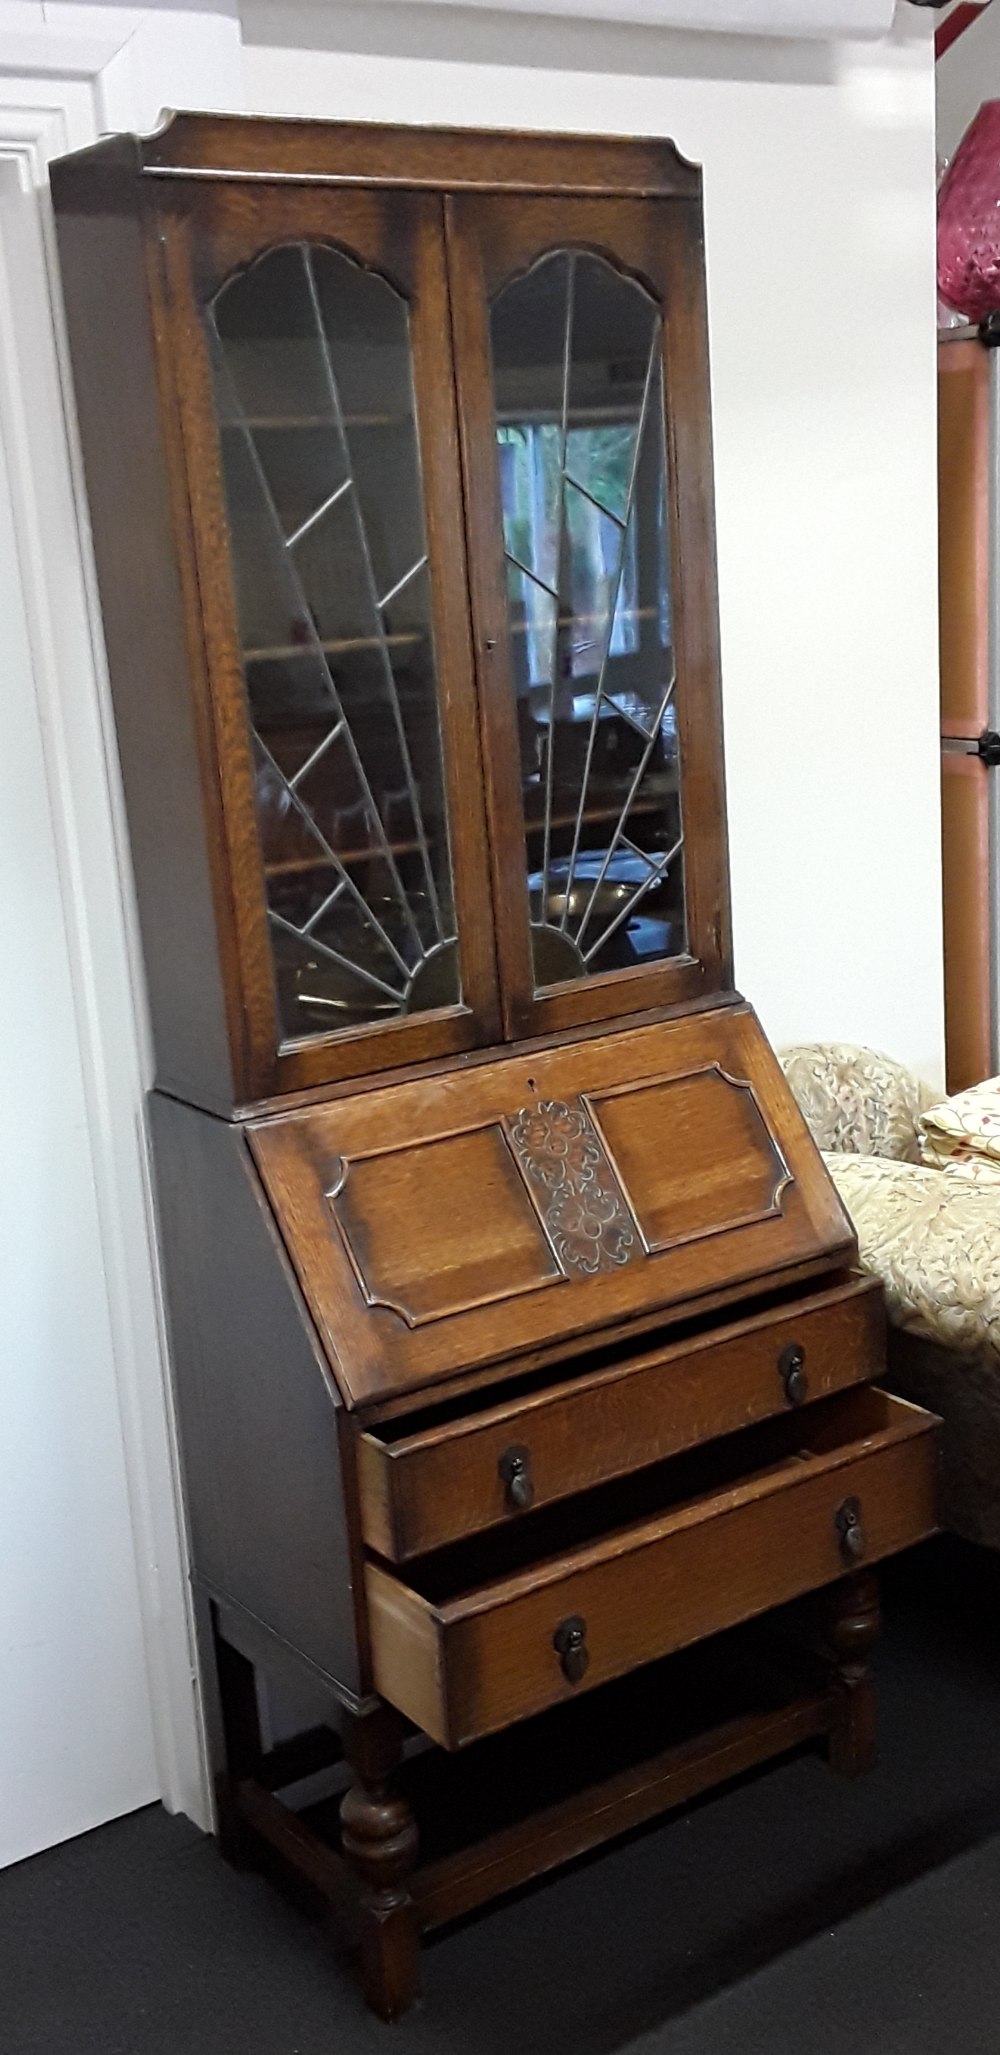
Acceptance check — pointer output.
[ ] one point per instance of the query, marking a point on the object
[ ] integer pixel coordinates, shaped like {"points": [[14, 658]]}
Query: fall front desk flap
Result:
{"points": [[464, 1218]]}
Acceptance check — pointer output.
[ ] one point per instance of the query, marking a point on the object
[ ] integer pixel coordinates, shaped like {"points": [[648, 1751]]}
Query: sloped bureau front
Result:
{"points": [[441, 1224]]}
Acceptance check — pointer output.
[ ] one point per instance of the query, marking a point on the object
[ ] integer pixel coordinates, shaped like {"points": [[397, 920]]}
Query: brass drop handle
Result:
{"points": [[850, 1529], [791, 1366], [515, 1474], [570, 1644]]}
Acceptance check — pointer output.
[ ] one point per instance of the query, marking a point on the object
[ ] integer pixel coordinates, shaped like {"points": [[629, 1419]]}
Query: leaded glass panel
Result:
{"points": [[577, 367], [321, 470]]}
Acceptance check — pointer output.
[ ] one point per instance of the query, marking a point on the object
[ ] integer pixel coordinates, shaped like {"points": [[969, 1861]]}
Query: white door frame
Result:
{"points": [[59, 90]]}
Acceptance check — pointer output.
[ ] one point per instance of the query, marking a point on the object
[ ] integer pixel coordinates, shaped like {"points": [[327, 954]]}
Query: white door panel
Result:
{"points": [[74, 1711]]}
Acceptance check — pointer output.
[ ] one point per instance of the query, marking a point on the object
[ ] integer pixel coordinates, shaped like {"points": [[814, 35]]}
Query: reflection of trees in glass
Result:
{"points": [[601, 458], [531, 485]]}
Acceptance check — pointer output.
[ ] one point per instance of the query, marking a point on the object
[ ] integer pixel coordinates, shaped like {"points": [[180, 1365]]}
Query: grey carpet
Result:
{"points": [[792, 1912]]}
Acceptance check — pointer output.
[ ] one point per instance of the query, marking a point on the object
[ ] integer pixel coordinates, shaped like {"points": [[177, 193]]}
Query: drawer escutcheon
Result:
{"points": [[515, 1473], [791, 1365], [850, 1529], [570, 1644]]}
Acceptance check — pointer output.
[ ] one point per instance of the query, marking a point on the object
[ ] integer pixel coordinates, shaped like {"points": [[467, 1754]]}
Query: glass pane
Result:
{"points": [[580, 428], [321, 469]]}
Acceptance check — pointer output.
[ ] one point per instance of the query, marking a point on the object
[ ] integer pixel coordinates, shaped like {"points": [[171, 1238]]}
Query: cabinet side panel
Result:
{"points": [[146, 632], [257, 1409]]}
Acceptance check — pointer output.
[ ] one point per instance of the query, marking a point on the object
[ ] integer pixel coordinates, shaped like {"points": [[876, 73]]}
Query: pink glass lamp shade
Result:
{"points": [[969, 220]]}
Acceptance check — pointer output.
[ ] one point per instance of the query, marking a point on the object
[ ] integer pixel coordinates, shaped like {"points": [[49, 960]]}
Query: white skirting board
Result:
{"points": [[825, 19]]}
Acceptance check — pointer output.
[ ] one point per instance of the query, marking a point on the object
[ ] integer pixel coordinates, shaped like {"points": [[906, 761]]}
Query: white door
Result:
{"points": [[98, 1705], [75, 1728]]}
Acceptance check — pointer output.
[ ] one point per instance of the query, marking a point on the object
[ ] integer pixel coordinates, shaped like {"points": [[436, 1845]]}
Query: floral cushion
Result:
{"points": [[855, 1100], [935, 1243], [962, 1135], [931, 1231]]}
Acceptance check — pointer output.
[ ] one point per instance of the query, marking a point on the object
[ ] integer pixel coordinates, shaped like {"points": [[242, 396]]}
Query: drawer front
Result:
{"points": [[471, 1664], [423, 1491]]}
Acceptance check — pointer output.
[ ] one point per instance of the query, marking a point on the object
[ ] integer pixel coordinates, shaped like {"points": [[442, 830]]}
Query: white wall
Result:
{"points": [[968, 74], [819, 198]]}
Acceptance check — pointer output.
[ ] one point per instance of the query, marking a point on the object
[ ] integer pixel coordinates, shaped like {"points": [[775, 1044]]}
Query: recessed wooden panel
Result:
{"points": [[738, 1179], [963, 487], [480, 1238], [966, 877], [494, 1176]]}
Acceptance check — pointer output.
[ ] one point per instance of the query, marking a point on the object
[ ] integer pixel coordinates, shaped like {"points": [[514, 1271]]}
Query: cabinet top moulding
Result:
{"points": [[236, 146]]}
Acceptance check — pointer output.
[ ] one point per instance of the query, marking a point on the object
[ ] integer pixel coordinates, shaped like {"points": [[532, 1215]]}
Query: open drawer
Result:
{"points": [[420, 1488], [472, 1644]]}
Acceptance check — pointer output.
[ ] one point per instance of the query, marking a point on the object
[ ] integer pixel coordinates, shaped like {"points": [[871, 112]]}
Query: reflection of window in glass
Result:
{"points": [[529, 460], [582, 455]]}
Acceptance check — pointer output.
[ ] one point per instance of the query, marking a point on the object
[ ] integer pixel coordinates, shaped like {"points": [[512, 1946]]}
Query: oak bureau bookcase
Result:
{"points": [[524, 1378]]}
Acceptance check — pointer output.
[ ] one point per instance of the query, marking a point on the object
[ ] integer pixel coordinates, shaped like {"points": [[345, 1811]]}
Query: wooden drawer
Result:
{"points": [[420, 1491], [463, 1659]]}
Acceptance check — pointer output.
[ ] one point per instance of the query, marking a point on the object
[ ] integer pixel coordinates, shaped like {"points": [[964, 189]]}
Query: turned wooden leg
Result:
{"points": [[380, 1841], [851, 1622]]}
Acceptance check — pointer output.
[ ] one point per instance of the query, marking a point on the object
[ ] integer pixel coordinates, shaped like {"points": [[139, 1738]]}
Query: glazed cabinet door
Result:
{"points": [[309, 342], [583, 385]]}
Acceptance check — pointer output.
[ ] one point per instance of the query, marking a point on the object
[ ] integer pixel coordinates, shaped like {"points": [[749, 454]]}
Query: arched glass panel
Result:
{"points": [[321, 470], [577, 368]]}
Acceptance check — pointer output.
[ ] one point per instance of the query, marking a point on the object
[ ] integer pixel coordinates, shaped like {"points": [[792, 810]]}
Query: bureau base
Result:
{"points": [[421, 1837]]}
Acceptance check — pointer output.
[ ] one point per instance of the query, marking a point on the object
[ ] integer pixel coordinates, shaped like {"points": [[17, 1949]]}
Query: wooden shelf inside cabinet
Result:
{"points": [[599, 816], [576, 417], [343, 645], [302, 866], [279, 423], [299, 865]]}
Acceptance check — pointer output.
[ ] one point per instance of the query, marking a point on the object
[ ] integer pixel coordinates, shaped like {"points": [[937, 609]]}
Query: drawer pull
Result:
{"points": [[791, 1364], [570, 1644], [850, 1530], [515, 1472]]}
